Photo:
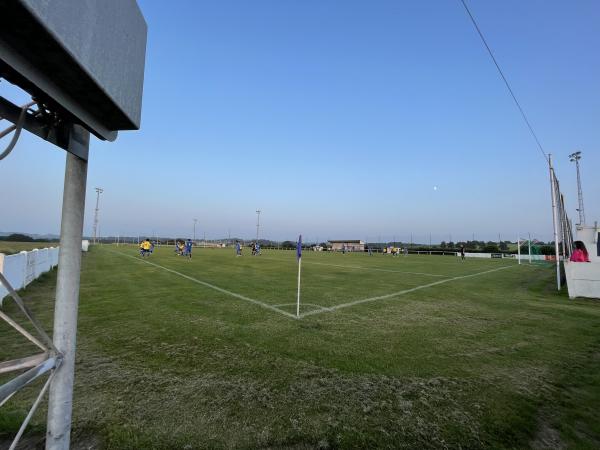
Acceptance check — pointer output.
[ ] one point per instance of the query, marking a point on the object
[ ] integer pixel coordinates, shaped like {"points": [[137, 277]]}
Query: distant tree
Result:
{"points": [[288, 244], [547, 249], [443, 244], [451, 244], [17, 237], [503, 245], [491, 247]]}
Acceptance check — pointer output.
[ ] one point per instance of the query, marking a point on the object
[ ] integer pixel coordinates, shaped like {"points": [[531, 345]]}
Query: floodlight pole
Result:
{"points": [[257, 223], [195, 222], [554, 219], [575, 157], [98, 192], [60, 403]]}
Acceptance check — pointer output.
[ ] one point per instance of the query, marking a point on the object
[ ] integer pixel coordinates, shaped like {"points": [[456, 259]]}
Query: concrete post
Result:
{"points": [[67, 295]]}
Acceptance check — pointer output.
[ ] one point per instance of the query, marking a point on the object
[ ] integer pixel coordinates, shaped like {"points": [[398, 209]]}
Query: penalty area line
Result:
{"points": [[378, 269], [212, 286], [399, 293]]}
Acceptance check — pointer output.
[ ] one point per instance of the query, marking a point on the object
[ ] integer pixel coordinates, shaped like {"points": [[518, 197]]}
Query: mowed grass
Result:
{"points": [[204, 353], [9, 248]]}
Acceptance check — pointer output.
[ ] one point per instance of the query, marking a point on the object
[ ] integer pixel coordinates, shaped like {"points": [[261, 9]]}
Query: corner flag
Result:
{"points": [[299, 257]]}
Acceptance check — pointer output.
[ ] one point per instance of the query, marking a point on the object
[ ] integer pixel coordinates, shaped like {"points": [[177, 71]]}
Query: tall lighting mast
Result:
{"points": [[575, 157], [257, 223], [98, 192]]}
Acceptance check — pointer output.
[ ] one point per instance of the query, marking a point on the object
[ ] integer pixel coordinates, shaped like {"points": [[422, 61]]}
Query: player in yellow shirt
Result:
{"points": [[145, 247]]}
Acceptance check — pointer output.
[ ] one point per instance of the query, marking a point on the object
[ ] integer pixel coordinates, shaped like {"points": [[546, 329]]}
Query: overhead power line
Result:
{"points": [[512, 94]]}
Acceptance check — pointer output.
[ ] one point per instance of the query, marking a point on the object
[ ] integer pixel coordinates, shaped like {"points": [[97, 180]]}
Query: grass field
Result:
{"points": [[9, 248], [408, 352]]}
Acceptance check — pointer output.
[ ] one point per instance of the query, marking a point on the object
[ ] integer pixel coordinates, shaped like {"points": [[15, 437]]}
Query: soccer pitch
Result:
{"points": [[329, 280], [413, 352]]}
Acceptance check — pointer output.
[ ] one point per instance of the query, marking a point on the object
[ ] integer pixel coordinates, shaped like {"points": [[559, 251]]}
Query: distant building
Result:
{"points": [[349, 245]]}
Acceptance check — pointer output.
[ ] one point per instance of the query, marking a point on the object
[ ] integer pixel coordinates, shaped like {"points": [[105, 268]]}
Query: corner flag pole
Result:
{"points": [[299, 256]]}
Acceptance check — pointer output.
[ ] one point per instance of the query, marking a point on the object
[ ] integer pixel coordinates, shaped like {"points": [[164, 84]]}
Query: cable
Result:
{"points": [[505, 80], [17, 127]]}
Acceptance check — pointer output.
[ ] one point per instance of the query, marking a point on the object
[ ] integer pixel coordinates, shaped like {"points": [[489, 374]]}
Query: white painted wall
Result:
{"points": [[583, 279]]}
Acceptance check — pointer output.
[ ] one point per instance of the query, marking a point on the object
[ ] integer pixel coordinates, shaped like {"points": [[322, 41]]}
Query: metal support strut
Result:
{"points": [[67, 293]]}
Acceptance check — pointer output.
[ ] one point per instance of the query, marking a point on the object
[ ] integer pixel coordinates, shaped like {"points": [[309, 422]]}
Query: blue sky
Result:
{"points": [[337, 119]]}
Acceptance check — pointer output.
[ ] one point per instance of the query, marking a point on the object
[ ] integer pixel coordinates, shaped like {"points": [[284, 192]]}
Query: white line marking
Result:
{"points": [[303, 304], [406, 291], [365, 268], [211, 286], [321, 308]]}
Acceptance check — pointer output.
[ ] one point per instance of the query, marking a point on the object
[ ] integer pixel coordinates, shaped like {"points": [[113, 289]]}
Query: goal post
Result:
{"points": [[519, 242]]}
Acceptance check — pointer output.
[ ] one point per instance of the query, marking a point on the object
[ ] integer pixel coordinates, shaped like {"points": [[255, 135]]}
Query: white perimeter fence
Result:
{"points": [[22, 268], [524, 256]]}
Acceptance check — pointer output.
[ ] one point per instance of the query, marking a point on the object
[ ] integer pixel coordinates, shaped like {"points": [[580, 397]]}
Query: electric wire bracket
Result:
{"points": [[39, 119]]}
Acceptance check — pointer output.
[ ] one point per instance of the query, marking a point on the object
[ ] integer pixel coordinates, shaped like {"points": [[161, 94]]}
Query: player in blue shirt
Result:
{"points": [[188, 248]]}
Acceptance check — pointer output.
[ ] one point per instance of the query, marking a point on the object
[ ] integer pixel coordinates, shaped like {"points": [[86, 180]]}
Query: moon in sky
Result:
{"points": [[435, 188]]}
